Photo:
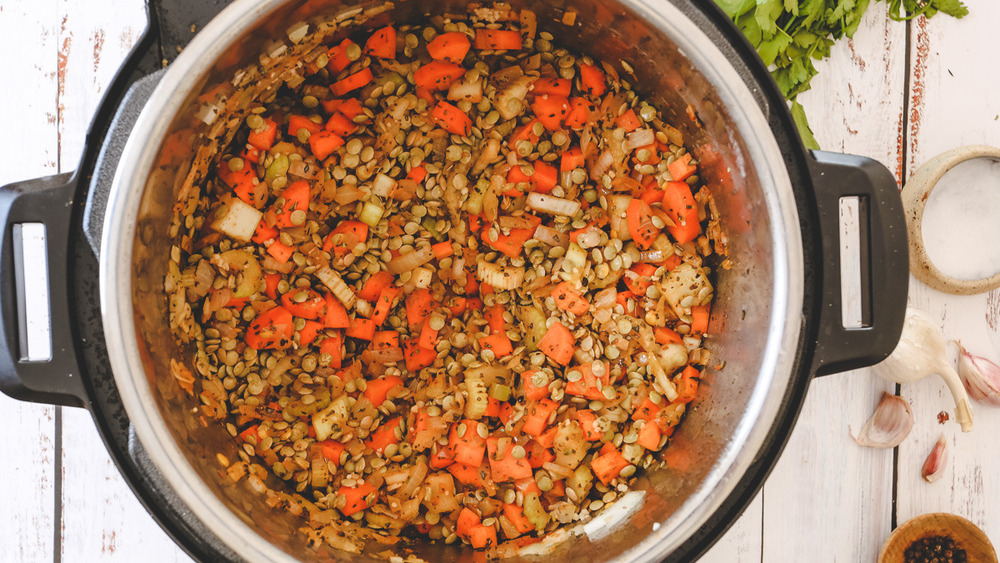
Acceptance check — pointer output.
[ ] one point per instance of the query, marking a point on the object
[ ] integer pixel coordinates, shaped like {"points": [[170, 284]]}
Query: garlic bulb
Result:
{"points": [[980, 376], [921, 352], [935, 462], [890, 424]]}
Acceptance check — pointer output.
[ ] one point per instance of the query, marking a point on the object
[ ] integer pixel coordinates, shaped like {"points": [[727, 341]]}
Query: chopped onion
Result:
{"points": [[204, 274], [504, 278], [461, 90], [347, 193], [516, 90], [410, 260], [551, 237], [626, 184], [654, 256], [406, 189], [640, 138], [303, 169], [237, 220], [487, 156], [382, 186], [601, 165], [617, 210], [553, 205], [511, 222]]}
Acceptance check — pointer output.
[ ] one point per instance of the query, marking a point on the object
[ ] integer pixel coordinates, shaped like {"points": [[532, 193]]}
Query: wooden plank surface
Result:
{"points": [[953, 101], [827, 500], [28, 149]]}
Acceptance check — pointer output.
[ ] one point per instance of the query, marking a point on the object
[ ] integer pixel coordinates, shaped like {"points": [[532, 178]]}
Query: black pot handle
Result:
{"points": [[884, 261], [35, 215]]}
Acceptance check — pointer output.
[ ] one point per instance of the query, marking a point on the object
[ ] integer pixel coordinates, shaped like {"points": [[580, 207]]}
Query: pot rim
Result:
{"points": [[137, 161]]}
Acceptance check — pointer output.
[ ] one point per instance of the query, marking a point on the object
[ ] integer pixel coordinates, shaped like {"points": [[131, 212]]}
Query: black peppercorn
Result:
{"points": [[935, 549]]}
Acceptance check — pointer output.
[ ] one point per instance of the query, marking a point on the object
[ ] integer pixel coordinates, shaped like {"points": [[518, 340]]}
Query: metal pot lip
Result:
{"points": [[116, 290]]}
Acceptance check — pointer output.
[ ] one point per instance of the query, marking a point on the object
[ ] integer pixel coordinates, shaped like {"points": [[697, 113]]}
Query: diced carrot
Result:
{"points": [[309, 332], [452, 119], [652, 195], [428, 336], [271, 285], [452, 47], [378, 389], [355, 498], [680, 206], [338, 57], [296, 197], [537, 454], [264, 233], [498, 343], [494, 318], [568, 299], [441, 456], [510, 244], [623, 299], [608, 465], [382, 43], [333, 345], [671, 262], [336, 313], [681, 168], [467, 519], [324, 143], [297, 122], [515, 515], [503, 465], [437, 75], [419, 305], [646, 411], [352, 82], [527, 486], [687, 385], [340, 124], [250, 434], [548, 438], [442, 250], [649, 436], [347, 234], [628, 121], [578, 114], [558, 344], [363, 329], [385, 339], [243, 183], [375, 284], [640, 223], [331, 450], [470, 447], [639, 284], [468, 474], [417, 358], [492, 407], [531, 391], [426, 94], [497, 39], [350, 107], [545, 178], [506, 413], [699, 319], [586, 386], [384, 435], [550, 110], [271, 330], [571, 159], [555, 86], [305, 303], [537, 417], [482, 537], [664, 336], [592, 80], [384, 304], [525, 132], [280, 251], [263, 138], [417, 174], [588, 421]]}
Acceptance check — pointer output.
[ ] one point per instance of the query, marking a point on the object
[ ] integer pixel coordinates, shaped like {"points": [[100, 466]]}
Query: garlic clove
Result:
{"points": [[936, 461], [921, 352], [980, 376], [889, 425]]}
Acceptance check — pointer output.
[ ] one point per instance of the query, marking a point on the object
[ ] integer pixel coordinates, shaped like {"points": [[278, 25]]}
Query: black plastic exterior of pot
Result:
{"points": [[71, 208]]}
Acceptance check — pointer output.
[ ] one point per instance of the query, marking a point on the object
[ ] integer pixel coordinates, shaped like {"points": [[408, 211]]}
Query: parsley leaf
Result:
{"points": [[790, 34]]}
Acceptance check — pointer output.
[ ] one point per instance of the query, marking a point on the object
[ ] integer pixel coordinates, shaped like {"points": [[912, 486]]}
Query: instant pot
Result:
{"points": [[776, 320]]}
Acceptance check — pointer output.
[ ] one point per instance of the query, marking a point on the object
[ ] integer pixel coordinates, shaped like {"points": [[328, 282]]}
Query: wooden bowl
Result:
{"points": [[965, 534]]}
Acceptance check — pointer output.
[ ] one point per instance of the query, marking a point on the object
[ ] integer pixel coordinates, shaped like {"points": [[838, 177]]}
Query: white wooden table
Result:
{"points": [[899, 93]]}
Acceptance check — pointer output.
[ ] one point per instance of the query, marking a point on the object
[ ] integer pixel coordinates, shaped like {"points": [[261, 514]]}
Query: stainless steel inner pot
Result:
{"points": [[756, 318]]}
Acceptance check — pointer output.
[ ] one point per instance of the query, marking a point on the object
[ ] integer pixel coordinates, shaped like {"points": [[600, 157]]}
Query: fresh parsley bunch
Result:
{"points": [[790, 34]]}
